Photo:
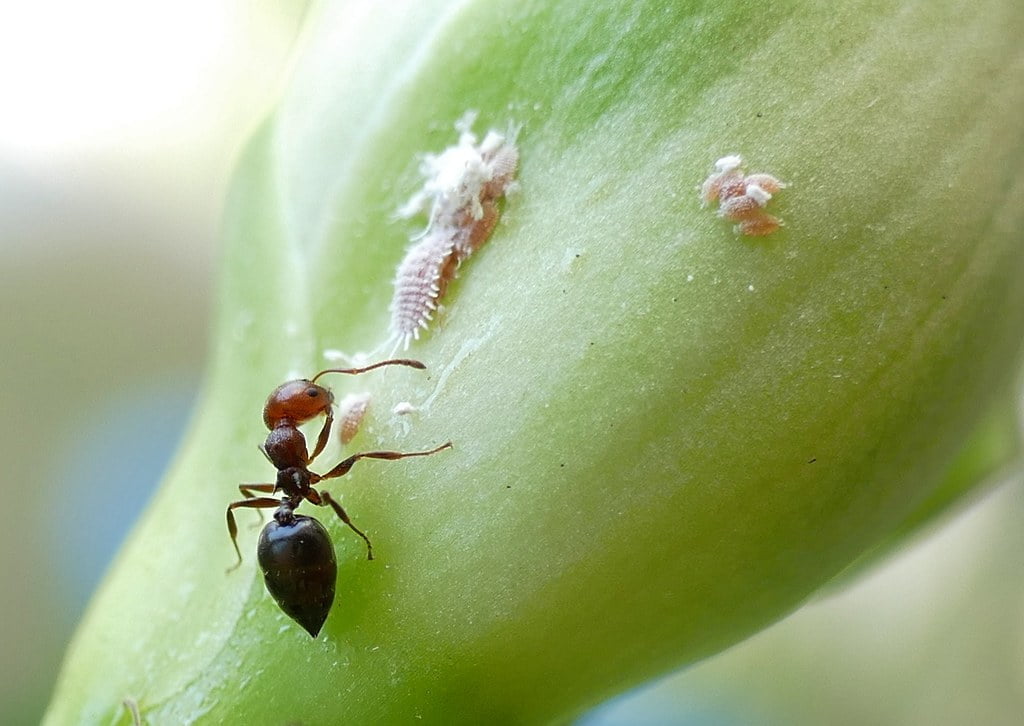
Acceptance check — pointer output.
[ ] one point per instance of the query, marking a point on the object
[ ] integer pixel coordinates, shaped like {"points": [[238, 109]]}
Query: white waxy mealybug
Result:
{"points": [[742, 197], [461, 190], [420, 281], [758, 194]]}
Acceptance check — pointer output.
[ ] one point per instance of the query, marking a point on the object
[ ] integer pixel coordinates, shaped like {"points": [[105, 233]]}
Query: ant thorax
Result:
{"points": [[294, 482], [286, 446]]}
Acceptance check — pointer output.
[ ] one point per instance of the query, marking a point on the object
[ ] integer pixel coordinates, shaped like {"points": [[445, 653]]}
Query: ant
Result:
{"points": [[295, 551]]}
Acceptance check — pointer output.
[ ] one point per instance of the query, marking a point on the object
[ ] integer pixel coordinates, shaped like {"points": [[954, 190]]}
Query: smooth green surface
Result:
{"points": [[666, 436]]}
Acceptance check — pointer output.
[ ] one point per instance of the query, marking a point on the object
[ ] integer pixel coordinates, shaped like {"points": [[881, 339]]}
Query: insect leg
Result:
{"points": [[324, 499], [132, 707], [321, 440], [256, 503], [343, 467], [248, 489], [247, 492]]}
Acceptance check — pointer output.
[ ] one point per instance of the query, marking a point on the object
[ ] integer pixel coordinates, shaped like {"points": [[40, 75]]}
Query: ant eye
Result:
{"points": [[312, 392]]}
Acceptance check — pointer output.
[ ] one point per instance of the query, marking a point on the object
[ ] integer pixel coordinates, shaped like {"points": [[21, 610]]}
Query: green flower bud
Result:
{"points": [[666, 434]]}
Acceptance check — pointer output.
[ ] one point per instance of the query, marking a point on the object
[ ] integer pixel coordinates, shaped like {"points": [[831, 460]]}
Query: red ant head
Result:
{"points": [[296, 402]]}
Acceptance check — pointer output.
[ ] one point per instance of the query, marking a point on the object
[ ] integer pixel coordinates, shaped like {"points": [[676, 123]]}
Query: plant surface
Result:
{"points": [[667, 435]]}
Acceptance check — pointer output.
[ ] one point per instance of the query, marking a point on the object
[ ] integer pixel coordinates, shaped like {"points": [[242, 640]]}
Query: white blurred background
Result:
{"points": [[119, 124]]}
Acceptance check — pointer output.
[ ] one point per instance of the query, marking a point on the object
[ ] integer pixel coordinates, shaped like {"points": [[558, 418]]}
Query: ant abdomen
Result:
{"points": [[297, 559]]}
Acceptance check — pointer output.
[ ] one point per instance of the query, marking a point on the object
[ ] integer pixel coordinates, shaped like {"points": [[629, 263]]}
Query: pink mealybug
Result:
{"points": [[351, 412], [461, 190], [767, 182], [726, 174], [759, 226], [742, 197]]}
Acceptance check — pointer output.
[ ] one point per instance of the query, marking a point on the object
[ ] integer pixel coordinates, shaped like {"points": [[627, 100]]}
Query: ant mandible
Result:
{"points": [[295, 551]]}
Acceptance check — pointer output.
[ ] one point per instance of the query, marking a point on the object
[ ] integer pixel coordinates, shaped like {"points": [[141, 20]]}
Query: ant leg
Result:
{"points": [[248, 489], [321, 440], [132, 707], [256, 503], [323, 499], [247, 492], [343, 467]]}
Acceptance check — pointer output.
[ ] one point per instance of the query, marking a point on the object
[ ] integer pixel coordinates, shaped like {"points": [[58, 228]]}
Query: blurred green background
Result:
{"points": [[120, 124], [119, 127]]}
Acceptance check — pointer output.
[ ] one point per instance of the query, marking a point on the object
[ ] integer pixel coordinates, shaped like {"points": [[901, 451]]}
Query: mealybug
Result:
{"points": [[462, 187], [351, 410], [742, 198]]}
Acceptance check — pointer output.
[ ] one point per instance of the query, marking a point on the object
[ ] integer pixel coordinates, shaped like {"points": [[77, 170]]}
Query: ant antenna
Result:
{"points": [[392, 362]]}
